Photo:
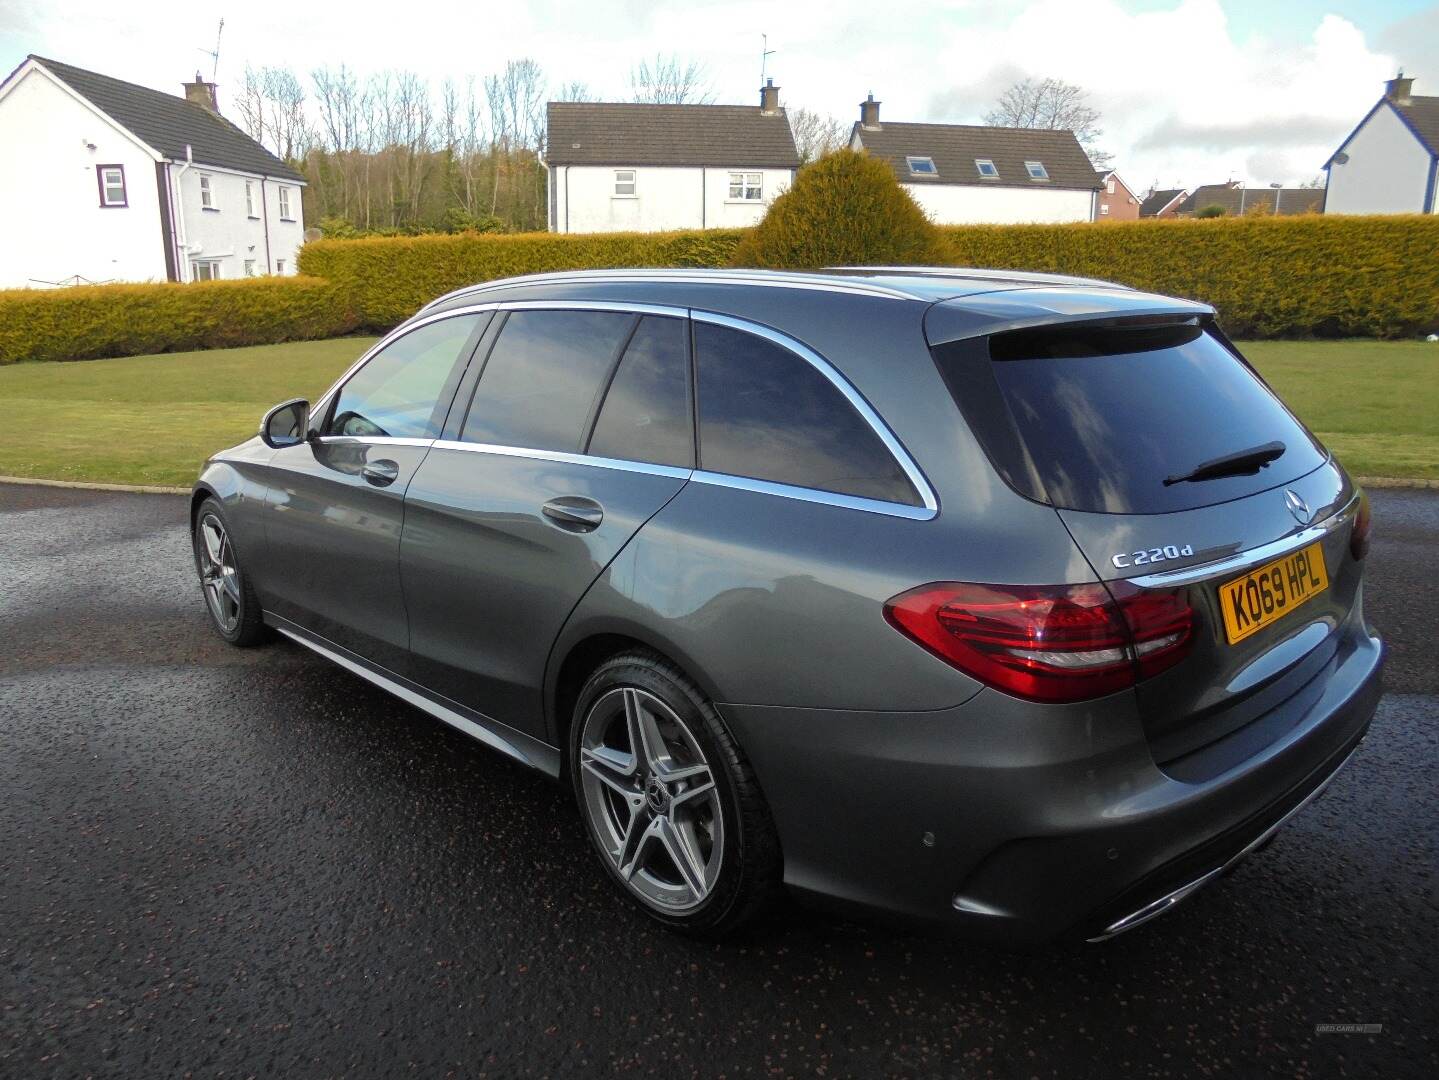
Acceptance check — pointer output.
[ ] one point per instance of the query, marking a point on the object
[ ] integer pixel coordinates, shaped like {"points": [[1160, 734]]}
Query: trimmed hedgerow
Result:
{"points": [[1304, 276], [845, 209], [93, 321], [388, 278]]}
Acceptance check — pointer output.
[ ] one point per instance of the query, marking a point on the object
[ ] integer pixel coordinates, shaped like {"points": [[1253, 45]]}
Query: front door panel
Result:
{"points": [[333, 528]]}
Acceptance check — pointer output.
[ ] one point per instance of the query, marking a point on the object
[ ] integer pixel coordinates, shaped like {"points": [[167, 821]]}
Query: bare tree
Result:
{"points": [[574, 91], [272, 110], [816, 134], [669, 80], [1054, 105]]}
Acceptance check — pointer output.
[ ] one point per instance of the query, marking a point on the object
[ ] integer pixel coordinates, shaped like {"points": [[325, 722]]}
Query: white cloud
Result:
{"points": [[1182, 100]]}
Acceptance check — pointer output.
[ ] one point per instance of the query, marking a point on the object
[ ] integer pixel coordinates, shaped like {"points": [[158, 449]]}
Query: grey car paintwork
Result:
{"points": [[862, 741]]}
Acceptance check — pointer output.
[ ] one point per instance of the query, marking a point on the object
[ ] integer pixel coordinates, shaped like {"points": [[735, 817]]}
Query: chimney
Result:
{"points": [[1400, 89], [202, 93], [869, 114], [769, 99]]}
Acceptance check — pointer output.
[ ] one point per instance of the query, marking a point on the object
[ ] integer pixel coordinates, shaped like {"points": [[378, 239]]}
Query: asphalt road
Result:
{"points": [[250, 863]]}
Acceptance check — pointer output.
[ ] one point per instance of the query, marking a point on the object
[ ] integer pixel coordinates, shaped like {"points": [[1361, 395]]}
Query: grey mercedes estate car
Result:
{"points": [[1013, 604]]}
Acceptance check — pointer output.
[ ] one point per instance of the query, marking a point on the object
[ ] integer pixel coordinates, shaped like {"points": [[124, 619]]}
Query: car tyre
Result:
{"points": [[680, 823], [229, 597]]}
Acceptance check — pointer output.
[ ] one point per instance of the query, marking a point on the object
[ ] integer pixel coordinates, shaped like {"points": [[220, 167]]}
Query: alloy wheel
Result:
{"points": [[218, 574], [651, 799]]}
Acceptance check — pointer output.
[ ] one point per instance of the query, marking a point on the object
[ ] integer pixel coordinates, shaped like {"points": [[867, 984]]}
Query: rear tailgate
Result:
{"points": [[1175, 467]]}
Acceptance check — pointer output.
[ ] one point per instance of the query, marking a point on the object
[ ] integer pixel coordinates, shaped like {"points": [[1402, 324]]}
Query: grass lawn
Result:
{"points": [[154, 419]]}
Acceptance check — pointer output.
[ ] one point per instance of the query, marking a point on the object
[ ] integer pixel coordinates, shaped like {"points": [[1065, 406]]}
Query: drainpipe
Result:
{"points": [[265, 213], [567, 198], [183, 270]]}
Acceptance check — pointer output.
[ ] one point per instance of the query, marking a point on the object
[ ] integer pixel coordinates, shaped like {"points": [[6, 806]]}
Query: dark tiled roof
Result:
{"points": [[955, 146], [594, 133], [1423, 116], [1158, 200], [168, 122], [1291, 200]]}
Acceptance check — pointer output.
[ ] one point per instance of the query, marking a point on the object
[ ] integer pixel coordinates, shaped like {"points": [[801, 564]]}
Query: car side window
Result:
{"points": [[646, 411], [397, 393], [769, 414], [543, 377]]}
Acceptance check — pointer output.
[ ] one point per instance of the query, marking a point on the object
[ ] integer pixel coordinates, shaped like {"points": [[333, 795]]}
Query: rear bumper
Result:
{"points": [[1015, 824]]}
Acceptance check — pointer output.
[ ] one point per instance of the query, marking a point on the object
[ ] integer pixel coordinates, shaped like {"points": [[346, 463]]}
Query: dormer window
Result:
{"points": [[986, 168], [1037, 170], [921, 166]]}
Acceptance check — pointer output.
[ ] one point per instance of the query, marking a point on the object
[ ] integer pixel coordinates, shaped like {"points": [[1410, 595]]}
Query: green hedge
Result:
{"points": [[93, 321], [388, 278], [1303, 276]]}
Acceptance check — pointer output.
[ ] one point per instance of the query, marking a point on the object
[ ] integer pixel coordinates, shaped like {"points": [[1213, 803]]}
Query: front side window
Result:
{"points": [[624, 183], [207, 192], [746, 186], [1037, 171], [985, 167], [768, 414], [249, 267], [205, 270], [279, 266], [543, 377], [250, 199], [112, 185], [646, 410], [399, 391], [285, 214]]}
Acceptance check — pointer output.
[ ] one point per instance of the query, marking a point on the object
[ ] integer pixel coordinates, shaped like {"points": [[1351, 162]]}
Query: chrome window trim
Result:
{"points": [[891, 442], [813, 495], [1255, 556], [374, 440], [565, 457]]}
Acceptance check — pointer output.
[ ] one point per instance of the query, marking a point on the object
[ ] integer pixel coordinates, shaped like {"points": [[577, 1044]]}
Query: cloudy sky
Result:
{"points": [[1191, 91]]}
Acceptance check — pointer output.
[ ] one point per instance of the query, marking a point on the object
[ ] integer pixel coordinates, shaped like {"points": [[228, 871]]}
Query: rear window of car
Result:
{"points": [[1106, 415]]}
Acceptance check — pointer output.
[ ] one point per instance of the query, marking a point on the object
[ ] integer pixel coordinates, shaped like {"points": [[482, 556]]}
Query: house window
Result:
{"points": [[207, 193], [624, 183], [279, 266], [285, 214], [249, 267], [986, 167], [1103, 208], [746, 186], [1109, 186], [250, 199], [205, 270], [111, 179], [1037, 171], [921, 166]]}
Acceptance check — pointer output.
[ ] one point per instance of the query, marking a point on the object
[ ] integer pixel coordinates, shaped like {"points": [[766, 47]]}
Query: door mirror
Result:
{"points": [[286, 424]]}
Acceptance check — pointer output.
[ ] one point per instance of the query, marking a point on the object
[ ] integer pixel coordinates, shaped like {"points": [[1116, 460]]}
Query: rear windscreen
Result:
{"points": [[1141, 419]]}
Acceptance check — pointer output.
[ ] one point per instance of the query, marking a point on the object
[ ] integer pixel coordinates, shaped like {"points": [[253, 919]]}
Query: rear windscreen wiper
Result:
{"points": [[1236, 464]]}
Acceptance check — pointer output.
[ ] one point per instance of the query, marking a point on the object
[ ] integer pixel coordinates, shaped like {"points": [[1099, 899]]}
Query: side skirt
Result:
{"points": [[497, 736]]}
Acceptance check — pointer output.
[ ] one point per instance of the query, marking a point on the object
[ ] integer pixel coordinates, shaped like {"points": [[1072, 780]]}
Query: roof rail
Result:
{"points": [[1032, 277], [772, 278]]}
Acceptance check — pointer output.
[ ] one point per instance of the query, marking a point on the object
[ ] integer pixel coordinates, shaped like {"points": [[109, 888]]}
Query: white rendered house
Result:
{"points": [[1390, 162], [103, 180], [649, 168], [964, 174]]}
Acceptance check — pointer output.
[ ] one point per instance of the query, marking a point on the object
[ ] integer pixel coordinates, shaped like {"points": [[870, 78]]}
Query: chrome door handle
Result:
{"points": [[574, 512], [381, 473]]}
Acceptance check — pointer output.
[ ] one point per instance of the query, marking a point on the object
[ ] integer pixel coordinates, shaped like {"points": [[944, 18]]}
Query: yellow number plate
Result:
{"points": [[1263, 596]]}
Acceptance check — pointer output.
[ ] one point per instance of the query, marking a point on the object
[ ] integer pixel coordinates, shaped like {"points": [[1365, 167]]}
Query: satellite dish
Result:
{"points": [[1341, 158], [312, 233]]}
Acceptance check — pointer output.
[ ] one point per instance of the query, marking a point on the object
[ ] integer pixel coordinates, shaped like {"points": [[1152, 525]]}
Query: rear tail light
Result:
{"points": [[1359, 537], [1047, 642]]}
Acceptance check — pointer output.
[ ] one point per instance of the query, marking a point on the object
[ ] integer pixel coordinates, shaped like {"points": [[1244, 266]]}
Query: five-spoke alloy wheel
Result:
{"points": [[672, 807], [234, 611]]}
